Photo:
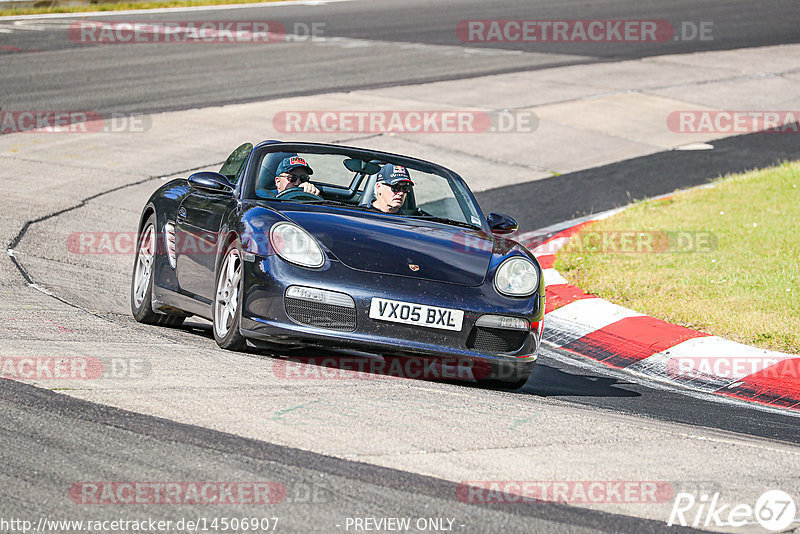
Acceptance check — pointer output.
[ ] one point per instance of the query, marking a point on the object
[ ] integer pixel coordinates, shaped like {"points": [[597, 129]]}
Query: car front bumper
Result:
{"points": [[265, 317]]}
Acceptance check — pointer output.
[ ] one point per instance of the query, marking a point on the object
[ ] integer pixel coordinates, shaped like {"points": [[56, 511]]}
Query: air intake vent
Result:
{"points": [[320, 308], [495, 340], [321, 315]]}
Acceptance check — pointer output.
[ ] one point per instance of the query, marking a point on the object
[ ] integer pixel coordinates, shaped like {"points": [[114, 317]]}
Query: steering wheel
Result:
{"points": [[297, 193]]}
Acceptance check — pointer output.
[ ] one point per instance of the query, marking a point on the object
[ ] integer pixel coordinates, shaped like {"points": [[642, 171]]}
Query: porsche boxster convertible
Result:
{"points": [[291, 268]]}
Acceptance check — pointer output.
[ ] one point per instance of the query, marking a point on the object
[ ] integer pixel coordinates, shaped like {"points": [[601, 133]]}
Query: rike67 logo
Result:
{"points": [[774, 510]]}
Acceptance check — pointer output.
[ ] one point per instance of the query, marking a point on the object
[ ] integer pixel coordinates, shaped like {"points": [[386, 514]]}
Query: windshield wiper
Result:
{"points": [[327, 202], [445, 220]]}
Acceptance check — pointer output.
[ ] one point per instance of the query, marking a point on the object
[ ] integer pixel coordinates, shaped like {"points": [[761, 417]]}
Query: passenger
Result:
{"points": [[294, 172], [391, 188]]}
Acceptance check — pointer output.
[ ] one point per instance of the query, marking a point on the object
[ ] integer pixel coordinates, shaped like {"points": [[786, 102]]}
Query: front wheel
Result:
{"points": [[142, 279], [227, 309]]}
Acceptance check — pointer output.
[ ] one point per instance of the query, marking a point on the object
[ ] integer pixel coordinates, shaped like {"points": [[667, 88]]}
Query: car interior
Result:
{"points": [[360, 191], [353, 185]]}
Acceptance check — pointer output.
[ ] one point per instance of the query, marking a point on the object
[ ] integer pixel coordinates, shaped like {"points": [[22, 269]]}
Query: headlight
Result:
{"points": [[295, 245], [516, 277]]}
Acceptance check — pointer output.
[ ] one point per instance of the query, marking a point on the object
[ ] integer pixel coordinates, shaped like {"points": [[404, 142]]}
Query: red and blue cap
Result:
{"points": [[292, 162], [393, 174]]}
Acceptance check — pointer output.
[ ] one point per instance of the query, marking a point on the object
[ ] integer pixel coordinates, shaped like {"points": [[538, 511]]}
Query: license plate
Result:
{"points": [[416, 314]]}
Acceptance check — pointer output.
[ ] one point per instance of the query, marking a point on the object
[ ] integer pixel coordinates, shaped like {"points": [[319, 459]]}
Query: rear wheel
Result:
{"points": [[227, 309], [142, 279]]}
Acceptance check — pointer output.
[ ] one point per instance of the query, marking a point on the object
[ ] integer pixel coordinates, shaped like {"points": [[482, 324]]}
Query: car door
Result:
{"points": [[197, 229], [197, 236]]}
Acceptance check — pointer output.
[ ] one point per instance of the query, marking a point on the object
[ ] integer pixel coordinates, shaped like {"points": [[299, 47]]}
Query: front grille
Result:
{"points": [[321, 315], [495, 339]]}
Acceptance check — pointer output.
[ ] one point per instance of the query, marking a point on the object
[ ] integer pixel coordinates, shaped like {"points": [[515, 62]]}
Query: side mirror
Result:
{"points": [[213, 182], [501, 224]]}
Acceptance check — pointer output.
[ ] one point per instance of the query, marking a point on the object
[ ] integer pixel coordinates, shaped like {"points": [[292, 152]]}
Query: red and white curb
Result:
{"points": [[588, 326]]}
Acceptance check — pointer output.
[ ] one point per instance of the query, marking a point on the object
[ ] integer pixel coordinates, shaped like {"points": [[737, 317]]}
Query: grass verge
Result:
{"points": [[55, 6], [723, 260]]}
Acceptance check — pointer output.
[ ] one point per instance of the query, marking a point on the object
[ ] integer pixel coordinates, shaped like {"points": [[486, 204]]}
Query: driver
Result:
{"points": [[294, 172], [391, 188]]}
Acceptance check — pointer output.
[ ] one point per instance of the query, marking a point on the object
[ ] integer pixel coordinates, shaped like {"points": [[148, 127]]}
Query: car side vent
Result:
{"points": [[495, 340], [169, 237]]}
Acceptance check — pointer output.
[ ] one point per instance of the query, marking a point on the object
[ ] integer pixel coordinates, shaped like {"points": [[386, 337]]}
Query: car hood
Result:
{"points": [[409, 247]]}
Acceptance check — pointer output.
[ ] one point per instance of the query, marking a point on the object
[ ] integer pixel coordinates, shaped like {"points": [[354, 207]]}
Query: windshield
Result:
{"points": [[350, 182]]}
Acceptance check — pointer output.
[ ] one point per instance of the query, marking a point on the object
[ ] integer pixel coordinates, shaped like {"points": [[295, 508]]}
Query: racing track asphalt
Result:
{"points": [[34, 420], [321, 491], [370, 44], [43, 460], [539, 203]]}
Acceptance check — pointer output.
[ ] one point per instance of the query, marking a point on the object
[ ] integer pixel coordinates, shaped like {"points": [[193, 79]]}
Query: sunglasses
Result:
{"points": [[400, 188], [300, 178]]}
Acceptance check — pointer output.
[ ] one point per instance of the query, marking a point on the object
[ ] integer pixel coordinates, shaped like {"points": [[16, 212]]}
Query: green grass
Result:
{"points": [[722, 260], [46, 6]]}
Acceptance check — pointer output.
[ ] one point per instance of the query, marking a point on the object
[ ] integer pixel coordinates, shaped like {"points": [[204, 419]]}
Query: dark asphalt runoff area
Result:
{"points": [[312, 492], [562, 198]]}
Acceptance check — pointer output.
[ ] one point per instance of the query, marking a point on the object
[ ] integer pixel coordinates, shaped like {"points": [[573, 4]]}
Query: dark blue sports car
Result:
{"points": [[315, 245]]}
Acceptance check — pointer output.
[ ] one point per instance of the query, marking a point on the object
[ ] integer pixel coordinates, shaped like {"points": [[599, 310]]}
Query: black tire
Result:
{"points": [[142, 280], [227, 321]]}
